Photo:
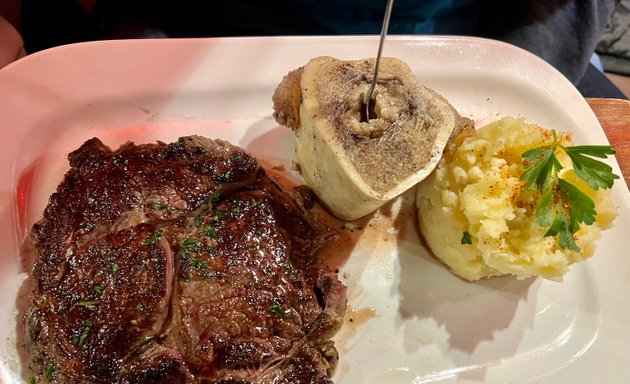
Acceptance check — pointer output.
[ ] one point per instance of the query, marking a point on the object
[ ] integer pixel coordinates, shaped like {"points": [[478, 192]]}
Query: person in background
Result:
{"points": [[562, 32]]}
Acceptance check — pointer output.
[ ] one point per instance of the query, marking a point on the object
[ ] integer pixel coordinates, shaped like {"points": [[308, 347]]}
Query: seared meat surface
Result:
{"points": [[178, 263]]}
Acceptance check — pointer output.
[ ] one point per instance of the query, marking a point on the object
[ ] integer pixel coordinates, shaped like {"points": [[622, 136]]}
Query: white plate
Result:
{"points": [[412, 321]]}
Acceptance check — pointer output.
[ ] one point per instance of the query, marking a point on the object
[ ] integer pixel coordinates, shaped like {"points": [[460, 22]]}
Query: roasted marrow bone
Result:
{"points": [[356, 161]]}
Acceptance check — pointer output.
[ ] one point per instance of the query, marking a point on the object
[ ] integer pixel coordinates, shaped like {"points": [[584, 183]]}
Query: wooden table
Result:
{"points": [[614, 116]]}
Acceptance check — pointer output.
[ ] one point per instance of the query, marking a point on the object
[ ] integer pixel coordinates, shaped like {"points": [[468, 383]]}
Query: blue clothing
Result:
{"points": [[415, 17], [562, 32]]}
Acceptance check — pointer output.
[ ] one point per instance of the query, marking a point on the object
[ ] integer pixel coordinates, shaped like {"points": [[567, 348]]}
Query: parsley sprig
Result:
{"points": [[562, 206]]}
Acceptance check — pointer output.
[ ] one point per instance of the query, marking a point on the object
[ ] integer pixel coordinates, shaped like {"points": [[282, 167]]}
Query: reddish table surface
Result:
{"points": [[614, 116]]}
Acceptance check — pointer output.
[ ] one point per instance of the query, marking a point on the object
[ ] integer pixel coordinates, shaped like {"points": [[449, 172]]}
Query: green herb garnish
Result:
{"points": [[466, 238], [191, 244], [218, 214], [199, 218], [147, 338], [198, 264], [114, 267], [563, 207], [99, 289], [48, 372], [210, 231], [158, 206], [278, 310], [153, 239], [87, 325], [293, 276]]}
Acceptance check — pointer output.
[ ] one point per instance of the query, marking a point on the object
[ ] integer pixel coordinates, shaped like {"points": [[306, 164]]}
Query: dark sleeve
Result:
{"points": [[562, 32]]}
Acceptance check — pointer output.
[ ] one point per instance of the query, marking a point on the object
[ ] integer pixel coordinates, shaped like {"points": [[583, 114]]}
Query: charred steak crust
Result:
{"points": [[179, 263]]}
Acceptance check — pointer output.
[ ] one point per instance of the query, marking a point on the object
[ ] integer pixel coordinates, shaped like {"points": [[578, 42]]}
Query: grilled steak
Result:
{"points": [[178, 263]]}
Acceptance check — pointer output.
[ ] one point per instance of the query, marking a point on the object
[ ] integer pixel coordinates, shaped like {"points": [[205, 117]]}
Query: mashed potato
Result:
{"points": [[476, 189]]}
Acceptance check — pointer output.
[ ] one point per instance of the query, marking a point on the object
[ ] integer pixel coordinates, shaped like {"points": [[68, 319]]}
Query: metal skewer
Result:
{"points": [[368, 96]]}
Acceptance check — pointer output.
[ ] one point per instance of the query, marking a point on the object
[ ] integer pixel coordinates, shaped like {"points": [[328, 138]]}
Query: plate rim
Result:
{"points": [[409, 39]]}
